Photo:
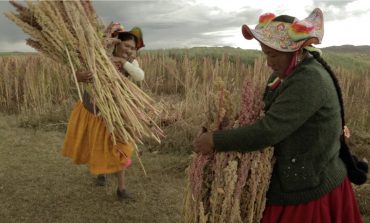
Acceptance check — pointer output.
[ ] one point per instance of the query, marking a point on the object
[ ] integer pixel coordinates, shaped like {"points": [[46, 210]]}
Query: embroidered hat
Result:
{"points": [[135, 31], [285, 36]]}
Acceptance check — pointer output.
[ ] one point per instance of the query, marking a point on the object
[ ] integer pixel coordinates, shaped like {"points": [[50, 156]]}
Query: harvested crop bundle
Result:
{"points": [[229, 186], [70, 33]]}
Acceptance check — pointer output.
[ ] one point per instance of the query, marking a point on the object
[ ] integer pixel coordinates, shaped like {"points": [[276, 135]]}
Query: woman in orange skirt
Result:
{"points": [[87, 140]]}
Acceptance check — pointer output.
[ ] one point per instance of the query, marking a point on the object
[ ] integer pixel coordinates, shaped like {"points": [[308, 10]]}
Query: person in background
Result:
{"points": [[303, 123], [87, 140]]}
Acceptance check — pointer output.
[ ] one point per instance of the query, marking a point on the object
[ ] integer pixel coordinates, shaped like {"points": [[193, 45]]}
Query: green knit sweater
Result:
{"points": [[302, 121]]}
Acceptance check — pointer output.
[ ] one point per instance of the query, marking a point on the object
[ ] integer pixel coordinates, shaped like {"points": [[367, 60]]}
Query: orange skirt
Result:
{"points": [[87, 141]]}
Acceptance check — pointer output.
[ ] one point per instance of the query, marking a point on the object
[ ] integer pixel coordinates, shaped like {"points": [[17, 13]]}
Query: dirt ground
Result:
{"points": [[37, 184]]}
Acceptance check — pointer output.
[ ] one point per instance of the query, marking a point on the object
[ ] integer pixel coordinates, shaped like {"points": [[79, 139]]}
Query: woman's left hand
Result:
{"points": [[109, 42], [204, 143], [111, 29]]}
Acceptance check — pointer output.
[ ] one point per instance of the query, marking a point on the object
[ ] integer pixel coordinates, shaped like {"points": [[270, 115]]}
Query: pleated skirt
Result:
{"points": [[337, 206], [88, 141]]}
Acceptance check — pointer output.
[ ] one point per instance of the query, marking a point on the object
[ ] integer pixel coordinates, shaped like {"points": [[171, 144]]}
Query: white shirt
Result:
{"points": [[134, 70]]}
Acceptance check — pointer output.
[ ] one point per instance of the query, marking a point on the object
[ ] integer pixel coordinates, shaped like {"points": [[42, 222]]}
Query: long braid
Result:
{"points": [[357, 170], [317, 56]]}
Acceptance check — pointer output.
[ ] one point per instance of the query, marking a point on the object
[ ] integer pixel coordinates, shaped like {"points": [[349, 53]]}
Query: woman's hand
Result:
{"points": [[84, 76], [108, 40], [133, 56], [118, 62], [204, 143], [112, 28]]}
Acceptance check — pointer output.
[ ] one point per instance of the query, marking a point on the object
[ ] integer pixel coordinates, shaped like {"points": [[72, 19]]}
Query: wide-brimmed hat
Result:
{"points": [[285, 36], [135, 31]]}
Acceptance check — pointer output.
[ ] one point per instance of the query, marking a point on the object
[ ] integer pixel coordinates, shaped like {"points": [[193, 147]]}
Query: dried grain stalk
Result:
{"points": [[231, 186], [69, 32]]}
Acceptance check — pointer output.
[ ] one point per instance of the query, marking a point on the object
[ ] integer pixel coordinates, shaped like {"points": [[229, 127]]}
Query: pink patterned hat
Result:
{"points": [[285, 36]]}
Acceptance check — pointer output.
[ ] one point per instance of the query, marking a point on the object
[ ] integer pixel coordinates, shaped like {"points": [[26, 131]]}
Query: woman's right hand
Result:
{"points": [[204, 143], [119, 62], [84, 76]]}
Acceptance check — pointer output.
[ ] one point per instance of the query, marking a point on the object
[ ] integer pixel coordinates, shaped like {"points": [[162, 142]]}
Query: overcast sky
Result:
{"points": [[189, 23]]}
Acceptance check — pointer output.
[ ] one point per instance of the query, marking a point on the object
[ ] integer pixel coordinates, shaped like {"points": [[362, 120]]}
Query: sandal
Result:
{"points": [[101, 180], [123, 195]]}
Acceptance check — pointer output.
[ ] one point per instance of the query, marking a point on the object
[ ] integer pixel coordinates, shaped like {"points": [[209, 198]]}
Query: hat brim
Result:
{"points": [[249, 34]]}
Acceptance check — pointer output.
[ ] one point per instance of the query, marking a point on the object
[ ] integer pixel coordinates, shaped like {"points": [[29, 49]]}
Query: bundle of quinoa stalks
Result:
{"points": [[229, 186], [70, 33]]}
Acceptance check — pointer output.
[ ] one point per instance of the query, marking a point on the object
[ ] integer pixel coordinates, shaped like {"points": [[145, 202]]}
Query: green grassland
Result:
{"points": [[356, 60], [351, 58], [15, 53]]}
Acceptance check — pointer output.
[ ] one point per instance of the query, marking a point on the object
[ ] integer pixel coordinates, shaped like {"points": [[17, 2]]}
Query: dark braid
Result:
{"points": [[317, 56], [357, 170]]}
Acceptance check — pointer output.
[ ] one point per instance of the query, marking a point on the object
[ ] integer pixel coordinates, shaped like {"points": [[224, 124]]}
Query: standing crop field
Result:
{"points": [[40, 93]]}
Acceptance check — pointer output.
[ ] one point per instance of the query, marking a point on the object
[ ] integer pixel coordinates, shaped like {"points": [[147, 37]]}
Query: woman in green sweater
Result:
{"points": [[302, 121]]}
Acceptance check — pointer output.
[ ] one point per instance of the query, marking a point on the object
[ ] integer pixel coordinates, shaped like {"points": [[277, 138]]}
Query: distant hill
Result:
{"points": [[349, 49], [231, 53], [352, 58], [16, 53]]}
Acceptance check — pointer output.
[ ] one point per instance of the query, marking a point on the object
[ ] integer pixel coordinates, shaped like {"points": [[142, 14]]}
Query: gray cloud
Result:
{"points": [[336, 3], [165, 24], [336, 9], [11, 36], [170, 24], [174, 23]]}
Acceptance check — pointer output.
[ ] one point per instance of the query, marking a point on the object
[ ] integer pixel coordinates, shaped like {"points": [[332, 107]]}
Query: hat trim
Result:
{"points": [[299, 43]]}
